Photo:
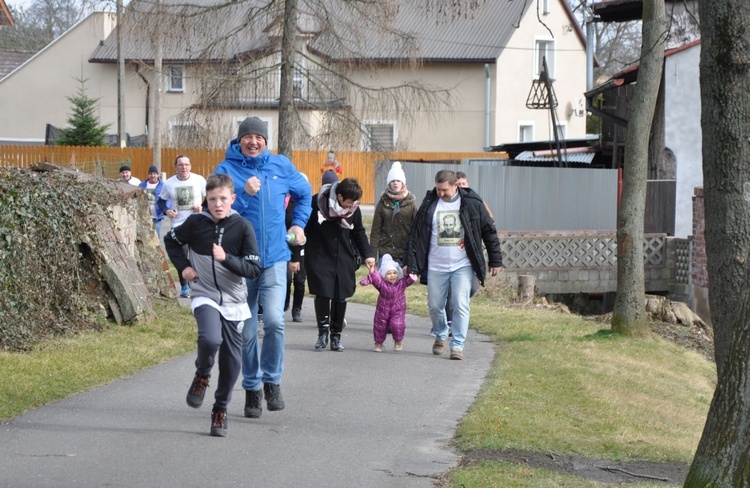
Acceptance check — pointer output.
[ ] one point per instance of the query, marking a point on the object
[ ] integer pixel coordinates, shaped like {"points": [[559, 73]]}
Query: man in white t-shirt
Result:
{"points": [[182, 196], [445, 247], [126, 175]]}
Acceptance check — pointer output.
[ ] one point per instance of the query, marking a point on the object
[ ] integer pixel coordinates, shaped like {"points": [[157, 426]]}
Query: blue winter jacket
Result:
{"points": [[265, 210]]}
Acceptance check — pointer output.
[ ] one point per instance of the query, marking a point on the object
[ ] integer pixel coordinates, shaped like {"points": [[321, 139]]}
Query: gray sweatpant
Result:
{"points": [[215, 333]]}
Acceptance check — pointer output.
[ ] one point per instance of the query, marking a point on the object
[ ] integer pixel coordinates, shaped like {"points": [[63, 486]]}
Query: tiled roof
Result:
{"points": [[473, 36], [10, 60], [5, 18]]}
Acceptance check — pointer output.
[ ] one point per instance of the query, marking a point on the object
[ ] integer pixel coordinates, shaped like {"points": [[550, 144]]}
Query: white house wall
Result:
{"points": [[682, 130], [37, 92], [514, 74]]}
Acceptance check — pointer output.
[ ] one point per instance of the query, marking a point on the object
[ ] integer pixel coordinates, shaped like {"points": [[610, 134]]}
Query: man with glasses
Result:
{"points": [[182, 196]]}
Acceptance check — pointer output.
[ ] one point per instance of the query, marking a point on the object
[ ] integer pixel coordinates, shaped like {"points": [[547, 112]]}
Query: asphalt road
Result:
{"points": [[352, 419]]}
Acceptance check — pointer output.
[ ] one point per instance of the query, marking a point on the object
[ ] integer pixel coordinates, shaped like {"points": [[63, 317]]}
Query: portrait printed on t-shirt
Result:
{"points": [[450, 232], [185, 199]]}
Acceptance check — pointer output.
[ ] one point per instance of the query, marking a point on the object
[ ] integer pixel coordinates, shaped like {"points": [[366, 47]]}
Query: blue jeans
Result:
{"points": [[157, 227], [459, 283], [265, 364]]}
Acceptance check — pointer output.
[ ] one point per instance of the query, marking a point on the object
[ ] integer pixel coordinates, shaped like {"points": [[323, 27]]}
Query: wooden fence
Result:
{"points": [[106, 161]]}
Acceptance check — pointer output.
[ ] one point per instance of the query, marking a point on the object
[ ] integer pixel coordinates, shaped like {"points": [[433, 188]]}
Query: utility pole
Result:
{"points": [[157, 81], [120, 79]]}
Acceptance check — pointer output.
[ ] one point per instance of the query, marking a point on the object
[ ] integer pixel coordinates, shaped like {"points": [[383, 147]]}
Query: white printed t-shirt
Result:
{"points": [[183, 195], [447, 251]]}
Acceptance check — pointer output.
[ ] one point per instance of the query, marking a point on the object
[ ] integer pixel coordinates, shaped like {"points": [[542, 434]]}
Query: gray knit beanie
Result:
{"points": [[253, 125]]}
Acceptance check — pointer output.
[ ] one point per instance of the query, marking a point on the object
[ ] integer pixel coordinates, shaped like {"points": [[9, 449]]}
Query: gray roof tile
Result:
{"points": [[10, 60], [228, 32]]}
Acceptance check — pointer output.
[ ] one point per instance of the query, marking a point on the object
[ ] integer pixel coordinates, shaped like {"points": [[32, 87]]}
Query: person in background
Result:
{"points": [[223, 252], [332, 164], [333, 232], [183, 183], [390, 310], [126, 175], [462, 182], [393, 215], [451, 263], [262, 181], [153, 187], [296, 274]]}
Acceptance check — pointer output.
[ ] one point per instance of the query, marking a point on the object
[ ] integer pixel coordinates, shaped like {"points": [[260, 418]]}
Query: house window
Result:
{"points": [[545, 7], [183, 134], [562, 131], [380, 136], [544, 49], [176, 78], [525, 132]]}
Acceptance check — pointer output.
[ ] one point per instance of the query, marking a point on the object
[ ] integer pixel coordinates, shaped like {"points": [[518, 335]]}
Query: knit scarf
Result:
{"points": [[330, 208], [398, 198]]}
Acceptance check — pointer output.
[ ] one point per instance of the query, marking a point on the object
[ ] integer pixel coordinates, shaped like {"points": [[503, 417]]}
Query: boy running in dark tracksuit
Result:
{"points": [[223, 252]]}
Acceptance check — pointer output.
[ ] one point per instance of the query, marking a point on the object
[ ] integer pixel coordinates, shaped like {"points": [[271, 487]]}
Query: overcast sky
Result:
{"points": [[18, 3]]}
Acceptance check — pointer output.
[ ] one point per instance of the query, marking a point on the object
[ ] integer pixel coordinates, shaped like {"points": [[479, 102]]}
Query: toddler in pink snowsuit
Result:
{"points": [[390, 311]]}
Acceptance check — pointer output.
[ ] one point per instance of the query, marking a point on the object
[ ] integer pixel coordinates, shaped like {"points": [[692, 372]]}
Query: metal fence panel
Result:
{"points": [[525, 199]]}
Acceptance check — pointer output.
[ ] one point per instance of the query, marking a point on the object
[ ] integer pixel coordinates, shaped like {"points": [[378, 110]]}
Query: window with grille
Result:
{"points": [[184, 134], [380, 137]]}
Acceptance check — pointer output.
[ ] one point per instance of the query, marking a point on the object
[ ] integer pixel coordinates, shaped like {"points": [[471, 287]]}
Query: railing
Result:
{"points": [[580, 263], [311, 87]]}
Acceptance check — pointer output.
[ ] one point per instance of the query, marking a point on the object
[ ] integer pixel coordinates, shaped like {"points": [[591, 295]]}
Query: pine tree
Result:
{"points": [[84, 128]]}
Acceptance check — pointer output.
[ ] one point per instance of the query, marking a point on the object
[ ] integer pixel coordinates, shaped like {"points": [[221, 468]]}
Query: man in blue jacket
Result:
{"points": [[153, 186], [262, 180]]}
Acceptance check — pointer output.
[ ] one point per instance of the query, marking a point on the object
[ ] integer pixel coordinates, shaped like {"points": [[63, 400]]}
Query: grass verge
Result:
{"points": [[64, 366], [562, 384]]}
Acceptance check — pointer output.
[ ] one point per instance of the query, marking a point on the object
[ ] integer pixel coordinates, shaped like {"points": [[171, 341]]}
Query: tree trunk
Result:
{"points": [[629, 316], [286, 95], [723, 455]]}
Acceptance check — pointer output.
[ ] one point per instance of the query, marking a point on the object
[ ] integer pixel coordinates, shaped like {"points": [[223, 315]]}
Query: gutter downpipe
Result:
{"points": [[487, 95], [589, 55]]}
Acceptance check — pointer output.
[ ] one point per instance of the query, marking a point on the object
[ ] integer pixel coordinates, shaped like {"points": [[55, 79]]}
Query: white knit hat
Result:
{"points": [[396, 173], [387, 263]]}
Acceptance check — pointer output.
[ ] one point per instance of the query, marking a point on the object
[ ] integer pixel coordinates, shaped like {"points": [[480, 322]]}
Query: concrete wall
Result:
{"points": [[37, 92], [683, 131]]}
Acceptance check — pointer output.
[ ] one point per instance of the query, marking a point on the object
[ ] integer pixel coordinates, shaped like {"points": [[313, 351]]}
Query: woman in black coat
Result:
{"points": [[335, 237]]}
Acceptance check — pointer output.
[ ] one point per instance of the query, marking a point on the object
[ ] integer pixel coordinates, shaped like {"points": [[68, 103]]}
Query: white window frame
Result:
{"points": [[545, 7], [366, 140], [523, 124], [563, 132], [170, 77], [238, 120], [548, 43]]}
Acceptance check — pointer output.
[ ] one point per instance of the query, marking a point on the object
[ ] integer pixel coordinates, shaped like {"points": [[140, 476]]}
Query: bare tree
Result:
{"points": [[629, 316], [616, 44], [317, 51], [42, 22], [723, 455]]}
